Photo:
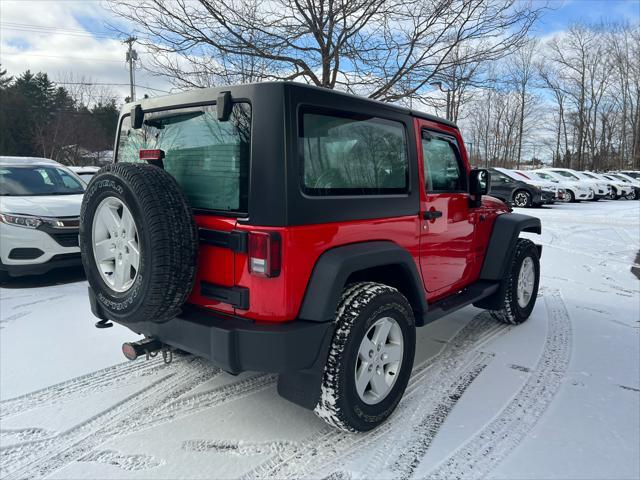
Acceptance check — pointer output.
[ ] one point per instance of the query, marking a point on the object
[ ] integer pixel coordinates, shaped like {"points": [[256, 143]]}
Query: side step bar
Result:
{"points": [[465, 297]]}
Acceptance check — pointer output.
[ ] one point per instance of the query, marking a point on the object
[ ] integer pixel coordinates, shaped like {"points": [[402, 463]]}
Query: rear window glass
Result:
{"points": [[345, 154], [208, 158]]}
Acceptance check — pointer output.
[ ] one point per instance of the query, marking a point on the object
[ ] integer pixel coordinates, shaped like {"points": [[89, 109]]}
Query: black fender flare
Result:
{"points": [[500, 251], [502, 243], [333, 268]]}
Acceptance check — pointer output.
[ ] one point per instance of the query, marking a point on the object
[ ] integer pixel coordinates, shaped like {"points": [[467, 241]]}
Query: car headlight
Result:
{"points": [[20, 220]]}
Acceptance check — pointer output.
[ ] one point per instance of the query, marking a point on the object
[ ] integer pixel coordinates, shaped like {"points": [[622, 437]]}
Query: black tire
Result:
{"points": [[522, 199], [167, 237], [512, 312], [362, 304], [569, 196]]}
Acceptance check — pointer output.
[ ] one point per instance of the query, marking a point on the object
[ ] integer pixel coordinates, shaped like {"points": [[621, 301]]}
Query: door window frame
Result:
{"points": [[453, 142]]}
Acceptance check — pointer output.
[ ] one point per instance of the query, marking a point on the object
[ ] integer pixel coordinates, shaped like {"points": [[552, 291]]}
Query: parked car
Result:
{"points": [[600, 188], [574, 190], [86, 173], [518, 192], [39, 214], [544, 184], [632, 173], [634, 183], [617, 188], [348, 238]]}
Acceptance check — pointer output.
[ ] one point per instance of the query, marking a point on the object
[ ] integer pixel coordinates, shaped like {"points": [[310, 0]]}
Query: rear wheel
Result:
{"points": [[522, 199], [633, 195], [370, 359], [139, 243], [522, 285]]}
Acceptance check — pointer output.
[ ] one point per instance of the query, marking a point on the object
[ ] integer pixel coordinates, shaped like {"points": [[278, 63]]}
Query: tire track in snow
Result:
{"points": [[485, 450], [189, 405], [40, 458], [425, 431], [90, 383], [234, 448], [330, 447], [129, 463]]}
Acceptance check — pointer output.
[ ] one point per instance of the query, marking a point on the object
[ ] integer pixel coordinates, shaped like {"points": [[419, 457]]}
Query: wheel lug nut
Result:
{"points": [[370, 353], [370, 368]]}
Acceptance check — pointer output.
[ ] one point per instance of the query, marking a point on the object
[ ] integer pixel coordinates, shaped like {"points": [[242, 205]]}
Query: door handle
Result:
{"points": [[432, 214]]}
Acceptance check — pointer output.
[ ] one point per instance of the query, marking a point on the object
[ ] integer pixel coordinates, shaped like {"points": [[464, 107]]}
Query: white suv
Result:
{"points": [[39, 216], [600, 188], [574, 189]]}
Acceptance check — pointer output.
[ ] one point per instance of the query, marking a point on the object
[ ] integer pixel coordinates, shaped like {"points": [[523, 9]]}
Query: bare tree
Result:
{"points": [[522, 72], [385, 49]]}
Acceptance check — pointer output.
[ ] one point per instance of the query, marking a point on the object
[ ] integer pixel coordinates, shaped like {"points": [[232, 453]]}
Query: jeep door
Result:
{"points": [[447, 230]]}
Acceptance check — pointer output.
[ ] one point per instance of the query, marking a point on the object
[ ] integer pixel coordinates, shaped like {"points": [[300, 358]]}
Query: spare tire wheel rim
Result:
{"points": [[526, 279], [116, 245], [379, 360]]}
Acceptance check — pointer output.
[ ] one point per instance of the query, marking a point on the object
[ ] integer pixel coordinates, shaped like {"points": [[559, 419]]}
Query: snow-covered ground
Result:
{"points": [[557, 397]]}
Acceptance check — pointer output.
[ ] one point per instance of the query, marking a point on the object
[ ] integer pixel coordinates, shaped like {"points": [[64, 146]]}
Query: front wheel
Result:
{"points": [[522, 285], [569, 197], [370, 359], [632, 196], [522, 199]]}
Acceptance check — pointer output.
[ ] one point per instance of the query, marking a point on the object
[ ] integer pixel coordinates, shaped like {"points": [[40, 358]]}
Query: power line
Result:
{"points": [[93, 59], [113, 85], [56, 30]]}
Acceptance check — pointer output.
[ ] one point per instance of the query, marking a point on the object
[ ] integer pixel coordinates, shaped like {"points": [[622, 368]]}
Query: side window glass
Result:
{"points": [[442, 170], [353, 154]]}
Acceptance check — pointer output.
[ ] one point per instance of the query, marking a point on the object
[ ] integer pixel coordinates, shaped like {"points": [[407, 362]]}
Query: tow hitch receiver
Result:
{"points": [[146, 346]]}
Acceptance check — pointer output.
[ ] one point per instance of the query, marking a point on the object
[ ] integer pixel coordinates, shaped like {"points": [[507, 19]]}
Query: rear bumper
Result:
{"points": [[236, 344]]}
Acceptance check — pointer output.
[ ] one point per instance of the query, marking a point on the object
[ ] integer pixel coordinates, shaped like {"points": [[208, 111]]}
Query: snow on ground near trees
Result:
{"points": [[556, 397]]}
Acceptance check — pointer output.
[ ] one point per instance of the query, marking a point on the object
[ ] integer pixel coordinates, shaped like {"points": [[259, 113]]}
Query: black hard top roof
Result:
{"points": [[199, 95]]}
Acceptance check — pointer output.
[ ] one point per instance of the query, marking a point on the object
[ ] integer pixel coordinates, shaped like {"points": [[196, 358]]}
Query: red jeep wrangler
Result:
{"points": [[284, 228]]}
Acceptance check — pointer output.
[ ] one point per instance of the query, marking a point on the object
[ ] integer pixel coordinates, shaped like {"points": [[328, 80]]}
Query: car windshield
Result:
{"points": [[567, 174], [523, 175], [545, 176], [619, 177], [37, 180]]}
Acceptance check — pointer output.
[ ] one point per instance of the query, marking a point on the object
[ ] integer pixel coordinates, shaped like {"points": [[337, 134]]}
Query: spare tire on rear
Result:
{"points": [[139, 243]]}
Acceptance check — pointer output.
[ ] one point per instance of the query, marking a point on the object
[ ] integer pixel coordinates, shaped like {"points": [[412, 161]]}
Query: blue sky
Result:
{"points": [[564, 13]]}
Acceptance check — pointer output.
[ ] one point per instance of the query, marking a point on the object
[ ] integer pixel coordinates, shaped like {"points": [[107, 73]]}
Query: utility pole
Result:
{"points": [[131, 57]]}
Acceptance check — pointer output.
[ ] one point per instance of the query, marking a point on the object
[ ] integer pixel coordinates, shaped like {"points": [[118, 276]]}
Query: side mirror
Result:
{"points": [[479, 184], [137, 116]]}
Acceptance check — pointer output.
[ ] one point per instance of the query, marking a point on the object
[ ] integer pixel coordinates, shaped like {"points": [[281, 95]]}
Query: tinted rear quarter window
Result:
{"points": [[352, 154]]}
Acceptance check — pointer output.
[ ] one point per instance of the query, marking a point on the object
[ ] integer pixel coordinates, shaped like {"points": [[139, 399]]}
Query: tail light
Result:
{"points": [[265, 253]]}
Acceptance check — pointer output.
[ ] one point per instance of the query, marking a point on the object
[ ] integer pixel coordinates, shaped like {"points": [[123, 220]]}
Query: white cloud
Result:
{"points": [[49, 36]]}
